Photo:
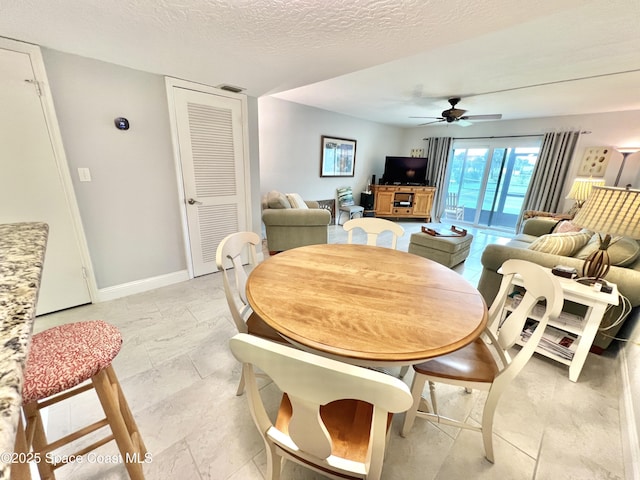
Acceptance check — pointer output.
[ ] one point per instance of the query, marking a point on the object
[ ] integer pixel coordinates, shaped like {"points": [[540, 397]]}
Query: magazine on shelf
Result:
{"points": [[553, 340], [565, 319]]}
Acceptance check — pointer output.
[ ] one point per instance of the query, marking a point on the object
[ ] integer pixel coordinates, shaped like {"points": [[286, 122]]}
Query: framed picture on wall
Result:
{"points": [[338, 157]]}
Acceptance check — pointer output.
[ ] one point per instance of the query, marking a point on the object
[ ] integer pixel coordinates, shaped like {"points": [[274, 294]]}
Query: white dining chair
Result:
{"points": [[474, 366], [230, 261], [333, 418], [373, 227]]}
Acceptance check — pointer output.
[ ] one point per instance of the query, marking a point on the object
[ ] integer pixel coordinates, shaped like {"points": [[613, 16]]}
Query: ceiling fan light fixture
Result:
{"points": [[454, 114]]}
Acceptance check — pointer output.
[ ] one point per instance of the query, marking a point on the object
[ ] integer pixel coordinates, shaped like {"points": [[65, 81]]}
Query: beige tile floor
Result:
{"points": [[180, 380]]}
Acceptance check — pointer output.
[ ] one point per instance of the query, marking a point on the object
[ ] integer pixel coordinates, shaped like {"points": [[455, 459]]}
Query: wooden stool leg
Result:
{"points": [[20, 471], [113, 404], [37, 439], [132, 427]]}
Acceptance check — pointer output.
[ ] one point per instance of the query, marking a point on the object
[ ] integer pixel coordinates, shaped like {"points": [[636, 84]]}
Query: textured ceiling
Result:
{"points": [[383, 60]]}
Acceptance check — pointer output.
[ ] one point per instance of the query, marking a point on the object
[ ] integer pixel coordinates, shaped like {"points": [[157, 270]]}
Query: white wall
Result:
{"points": [[290, 148], [620, 129], [254, 163]]}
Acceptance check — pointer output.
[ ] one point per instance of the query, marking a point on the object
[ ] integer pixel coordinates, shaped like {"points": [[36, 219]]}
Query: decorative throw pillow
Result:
{"points": [[277, 200], [564, 226], [622, 253], [296, 201], [564, 244], [345, 197]]}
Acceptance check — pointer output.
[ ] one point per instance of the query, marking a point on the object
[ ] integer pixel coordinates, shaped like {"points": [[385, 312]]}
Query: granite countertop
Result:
{"points": [[22, 247]]}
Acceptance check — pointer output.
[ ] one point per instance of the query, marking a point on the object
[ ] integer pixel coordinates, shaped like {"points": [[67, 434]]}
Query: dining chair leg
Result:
{"points": [[487, 423], [410, 415], [434, 399], [240, 390], [403, 371], [274, 463]]}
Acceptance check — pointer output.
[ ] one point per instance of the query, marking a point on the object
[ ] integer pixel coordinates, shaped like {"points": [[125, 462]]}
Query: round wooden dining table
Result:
{"points": [[366, 305]]}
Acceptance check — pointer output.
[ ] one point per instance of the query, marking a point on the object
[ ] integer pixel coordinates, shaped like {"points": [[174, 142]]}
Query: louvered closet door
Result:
{"points": [[212, 158]]}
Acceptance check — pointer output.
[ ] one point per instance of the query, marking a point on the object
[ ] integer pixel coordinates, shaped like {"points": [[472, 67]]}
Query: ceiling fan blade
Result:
{"points": [[429, 123], [495, 116]]}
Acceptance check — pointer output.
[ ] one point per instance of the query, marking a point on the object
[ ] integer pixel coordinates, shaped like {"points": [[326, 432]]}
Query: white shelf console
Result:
{"points": [[596, 303]]}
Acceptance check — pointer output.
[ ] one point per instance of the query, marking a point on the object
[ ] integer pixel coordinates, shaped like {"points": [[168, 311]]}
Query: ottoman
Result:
{"points": [[448, 251]]}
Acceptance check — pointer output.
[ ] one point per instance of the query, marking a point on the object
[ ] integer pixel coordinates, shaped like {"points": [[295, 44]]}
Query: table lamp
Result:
{"points": [[609, 211], [581, 188]]}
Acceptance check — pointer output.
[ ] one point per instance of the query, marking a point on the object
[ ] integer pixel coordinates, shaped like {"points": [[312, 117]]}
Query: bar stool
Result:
{"points": [[60, 360]]}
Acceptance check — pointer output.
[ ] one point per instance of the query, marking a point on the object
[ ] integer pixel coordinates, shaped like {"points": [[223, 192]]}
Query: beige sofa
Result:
{"points": [[626, 277], [291, 222]]}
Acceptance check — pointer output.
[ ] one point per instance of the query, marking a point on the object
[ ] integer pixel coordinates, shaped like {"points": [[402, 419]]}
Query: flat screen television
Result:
{"points": [[405, 171]]}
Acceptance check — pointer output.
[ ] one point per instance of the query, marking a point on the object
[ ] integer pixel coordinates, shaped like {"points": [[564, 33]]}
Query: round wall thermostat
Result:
{"points": [[122, 123]]}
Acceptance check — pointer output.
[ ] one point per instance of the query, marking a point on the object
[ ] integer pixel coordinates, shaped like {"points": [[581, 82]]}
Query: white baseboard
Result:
{"points": [[629, 427], [139, 286]]}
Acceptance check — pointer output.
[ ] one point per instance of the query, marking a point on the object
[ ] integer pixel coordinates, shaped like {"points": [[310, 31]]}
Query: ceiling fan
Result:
{"points": [[457, 115]]}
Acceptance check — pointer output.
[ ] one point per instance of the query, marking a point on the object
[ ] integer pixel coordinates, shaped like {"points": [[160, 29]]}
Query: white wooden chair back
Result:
{"points": [[311, 381], [229, 256], [540, 284], [452, 200], [451, 207], [374, 227]]}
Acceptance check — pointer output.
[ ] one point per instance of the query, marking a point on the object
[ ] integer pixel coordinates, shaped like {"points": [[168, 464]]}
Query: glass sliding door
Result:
{"points": [[466, 180], [489, 181]]}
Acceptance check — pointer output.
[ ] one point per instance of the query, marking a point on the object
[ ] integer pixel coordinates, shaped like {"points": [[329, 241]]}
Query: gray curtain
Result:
{"points": [[550, 173], [438, 149]]}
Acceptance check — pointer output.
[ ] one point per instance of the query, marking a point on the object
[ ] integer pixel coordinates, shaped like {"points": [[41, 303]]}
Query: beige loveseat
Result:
{"points": [[291, 222], [626, 277]]}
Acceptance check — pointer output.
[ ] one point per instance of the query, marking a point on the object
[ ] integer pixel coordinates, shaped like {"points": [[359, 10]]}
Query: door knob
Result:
{"points": [[192, 201]]}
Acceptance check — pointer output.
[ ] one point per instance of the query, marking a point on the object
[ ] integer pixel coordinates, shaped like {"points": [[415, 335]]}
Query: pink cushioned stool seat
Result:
{"points": [[61, 360], [62, 357]]}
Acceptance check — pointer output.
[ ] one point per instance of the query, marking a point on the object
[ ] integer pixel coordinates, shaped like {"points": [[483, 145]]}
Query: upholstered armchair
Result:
{"points": [[291, 222]]}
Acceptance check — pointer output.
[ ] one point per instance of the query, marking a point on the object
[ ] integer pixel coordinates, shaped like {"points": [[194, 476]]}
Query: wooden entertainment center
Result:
{"points": [[403, 201]]}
